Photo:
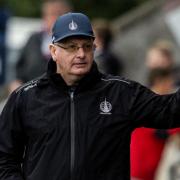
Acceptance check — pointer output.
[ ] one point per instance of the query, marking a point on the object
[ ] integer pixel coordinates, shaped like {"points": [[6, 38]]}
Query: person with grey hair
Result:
{"points": [[75, 123]]}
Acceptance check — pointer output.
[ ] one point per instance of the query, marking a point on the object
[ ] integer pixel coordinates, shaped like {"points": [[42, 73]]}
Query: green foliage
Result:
{"points": [[27, 8], [106, 8], [94, 8]]}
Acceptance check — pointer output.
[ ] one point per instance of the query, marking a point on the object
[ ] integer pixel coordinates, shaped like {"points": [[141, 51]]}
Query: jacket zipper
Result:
{"points": [[72, 130]]}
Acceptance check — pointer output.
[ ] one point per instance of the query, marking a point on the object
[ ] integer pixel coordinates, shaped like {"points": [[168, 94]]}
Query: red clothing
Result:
{"points": [[146, 149]]}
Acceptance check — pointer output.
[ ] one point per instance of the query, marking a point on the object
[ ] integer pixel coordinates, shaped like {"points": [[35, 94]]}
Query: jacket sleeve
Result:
{"points": [[149, 109], [11, 140]]}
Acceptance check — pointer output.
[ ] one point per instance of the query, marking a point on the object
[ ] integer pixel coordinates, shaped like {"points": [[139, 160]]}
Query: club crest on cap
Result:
{"points": [[73, 26]]}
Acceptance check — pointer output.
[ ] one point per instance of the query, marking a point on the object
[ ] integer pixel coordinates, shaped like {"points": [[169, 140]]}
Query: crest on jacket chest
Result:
{"points": [[105, 107]]}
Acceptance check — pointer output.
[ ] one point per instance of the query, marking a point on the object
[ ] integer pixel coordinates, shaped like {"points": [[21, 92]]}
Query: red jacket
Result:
{"points": [[146, 149]]}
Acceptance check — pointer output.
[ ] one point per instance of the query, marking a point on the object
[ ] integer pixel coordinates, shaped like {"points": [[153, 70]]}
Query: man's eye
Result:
{"points": [[72, 47], [88, 45]]}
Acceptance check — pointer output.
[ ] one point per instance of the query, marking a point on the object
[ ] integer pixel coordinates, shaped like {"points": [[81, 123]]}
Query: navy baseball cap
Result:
{"points": [[71, 24]]}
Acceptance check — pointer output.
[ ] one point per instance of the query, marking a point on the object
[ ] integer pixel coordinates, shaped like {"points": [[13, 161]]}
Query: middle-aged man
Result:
{"points": [[74, 123]]}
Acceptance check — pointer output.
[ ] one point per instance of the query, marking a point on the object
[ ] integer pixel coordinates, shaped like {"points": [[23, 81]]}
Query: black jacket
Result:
{"points": [[49, 131], [32, 62]]}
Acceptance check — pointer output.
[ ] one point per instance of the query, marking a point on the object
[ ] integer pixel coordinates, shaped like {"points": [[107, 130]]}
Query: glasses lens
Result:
{"points": [[87, 47], [72, 47]]}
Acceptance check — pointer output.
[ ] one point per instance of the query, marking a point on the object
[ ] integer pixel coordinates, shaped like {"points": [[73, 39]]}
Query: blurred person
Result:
{"points": [[33, 59], [169, 166], [106, 60], [161, 81], [146, 143], [160, 55], [74, 122]]}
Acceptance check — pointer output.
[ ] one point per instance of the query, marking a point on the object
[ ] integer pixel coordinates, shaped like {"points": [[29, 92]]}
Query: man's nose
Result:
{"points": [[81, 52]]}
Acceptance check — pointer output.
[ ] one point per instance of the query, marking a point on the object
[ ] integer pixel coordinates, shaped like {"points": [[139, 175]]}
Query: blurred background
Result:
{"points": [[136, 25], [137, 39]]}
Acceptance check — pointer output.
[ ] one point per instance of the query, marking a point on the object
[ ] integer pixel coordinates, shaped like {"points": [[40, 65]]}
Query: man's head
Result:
{"points": [[52, 9], [160, 55], [72, 45]]}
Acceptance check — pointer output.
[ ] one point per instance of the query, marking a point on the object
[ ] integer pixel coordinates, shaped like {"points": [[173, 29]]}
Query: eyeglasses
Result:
{"points": [[73, 47]]}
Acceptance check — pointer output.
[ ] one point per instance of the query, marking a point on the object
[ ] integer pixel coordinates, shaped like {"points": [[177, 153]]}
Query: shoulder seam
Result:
{"points": [[31, 83], [115, 79]]}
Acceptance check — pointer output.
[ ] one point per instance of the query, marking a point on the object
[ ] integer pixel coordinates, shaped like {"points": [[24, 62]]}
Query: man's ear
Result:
{"points": [[52, 49]]}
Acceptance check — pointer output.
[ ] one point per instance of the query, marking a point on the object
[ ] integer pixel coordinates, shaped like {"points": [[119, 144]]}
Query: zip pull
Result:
{"points": [[72, 91], [72, 95]]}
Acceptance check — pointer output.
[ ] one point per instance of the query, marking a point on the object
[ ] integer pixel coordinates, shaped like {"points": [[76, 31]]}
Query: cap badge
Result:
{"points": [[73, 26]]}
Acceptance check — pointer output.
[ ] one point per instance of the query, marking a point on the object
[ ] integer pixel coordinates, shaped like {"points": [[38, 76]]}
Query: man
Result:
{"points": [[35, 54], [74, 123], [107, 61]]}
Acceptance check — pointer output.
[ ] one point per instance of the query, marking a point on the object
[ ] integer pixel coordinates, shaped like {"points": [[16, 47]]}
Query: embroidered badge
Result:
{"points": [[73, 26], [105, 107]]}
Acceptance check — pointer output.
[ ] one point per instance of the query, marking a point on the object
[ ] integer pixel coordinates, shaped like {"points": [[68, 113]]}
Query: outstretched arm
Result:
{"points": [[152, 110]]}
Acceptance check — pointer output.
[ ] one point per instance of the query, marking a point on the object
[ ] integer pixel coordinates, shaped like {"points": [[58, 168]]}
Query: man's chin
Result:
{"points": [[81, 72]]}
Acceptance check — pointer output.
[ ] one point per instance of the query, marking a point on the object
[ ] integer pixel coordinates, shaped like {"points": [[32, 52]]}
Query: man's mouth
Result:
{"points": [[81, 64]]}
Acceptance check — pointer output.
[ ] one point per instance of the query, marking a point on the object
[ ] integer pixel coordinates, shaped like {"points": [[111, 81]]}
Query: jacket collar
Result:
{"points": [[85, 84]]}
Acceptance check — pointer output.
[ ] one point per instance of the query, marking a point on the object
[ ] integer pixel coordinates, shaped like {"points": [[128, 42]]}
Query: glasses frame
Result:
{"points": [[76, 47]]}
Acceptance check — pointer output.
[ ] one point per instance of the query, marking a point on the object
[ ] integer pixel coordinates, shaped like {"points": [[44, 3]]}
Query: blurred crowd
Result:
{"points": [[155, 154]]}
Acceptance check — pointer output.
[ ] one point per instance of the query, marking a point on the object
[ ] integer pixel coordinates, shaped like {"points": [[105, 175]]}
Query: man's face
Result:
{"points": [[73, 56], [156, 58]]}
